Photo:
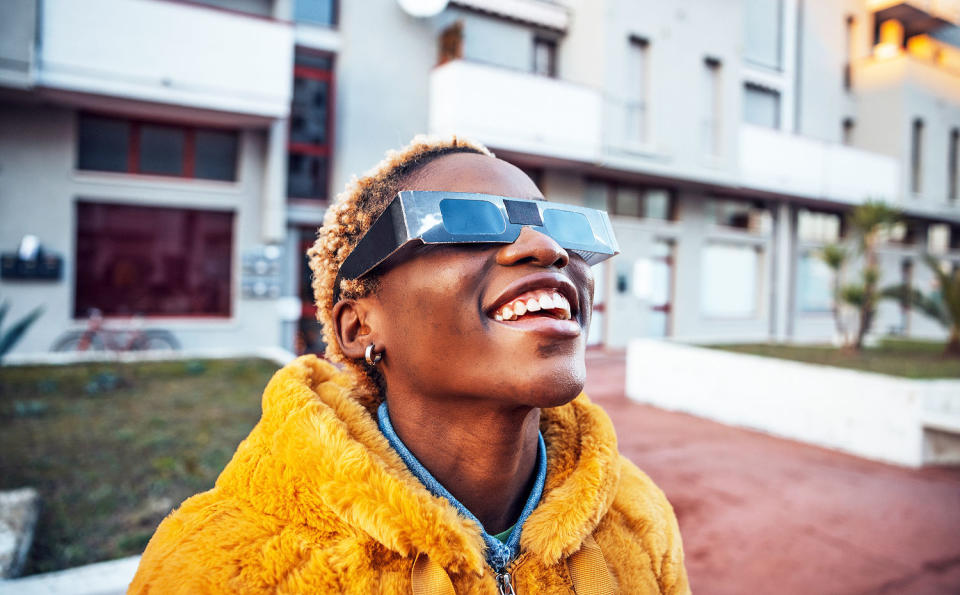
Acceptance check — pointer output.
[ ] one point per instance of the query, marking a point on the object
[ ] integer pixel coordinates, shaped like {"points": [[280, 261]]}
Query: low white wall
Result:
{"points": [[870, 415], [278, 355], [103, 578]]}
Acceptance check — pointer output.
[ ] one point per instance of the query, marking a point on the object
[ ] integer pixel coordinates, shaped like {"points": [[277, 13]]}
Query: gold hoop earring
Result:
{"points": [[372, 356]]}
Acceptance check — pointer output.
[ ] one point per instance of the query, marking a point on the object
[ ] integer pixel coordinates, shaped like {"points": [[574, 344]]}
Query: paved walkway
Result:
{"points": [[766, 515]]}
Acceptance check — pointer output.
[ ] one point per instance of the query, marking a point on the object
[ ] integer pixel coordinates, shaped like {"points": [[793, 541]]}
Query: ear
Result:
{"points": [[350, 324]]}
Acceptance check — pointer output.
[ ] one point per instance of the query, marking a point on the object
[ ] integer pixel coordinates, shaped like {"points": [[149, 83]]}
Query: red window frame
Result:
{"points": [[189, 147], [317, 150]]}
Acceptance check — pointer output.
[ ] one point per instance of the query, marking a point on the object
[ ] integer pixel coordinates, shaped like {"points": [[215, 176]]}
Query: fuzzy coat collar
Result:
{"points": [[317, 450]]}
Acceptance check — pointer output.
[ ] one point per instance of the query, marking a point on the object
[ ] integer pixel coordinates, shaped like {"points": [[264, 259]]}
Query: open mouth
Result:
{"points": [[542, 303]]}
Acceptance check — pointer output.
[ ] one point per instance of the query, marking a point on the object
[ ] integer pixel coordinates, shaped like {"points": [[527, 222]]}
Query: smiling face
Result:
{"points": [[501, 322]]}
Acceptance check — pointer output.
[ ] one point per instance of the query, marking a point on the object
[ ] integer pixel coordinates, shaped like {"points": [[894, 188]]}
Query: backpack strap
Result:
{"points": [[588, 570], [429, 578]]}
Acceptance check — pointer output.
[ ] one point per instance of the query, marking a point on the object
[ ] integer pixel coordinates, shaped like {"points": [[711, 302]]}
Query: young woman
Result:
{"points": [[452, 453]]}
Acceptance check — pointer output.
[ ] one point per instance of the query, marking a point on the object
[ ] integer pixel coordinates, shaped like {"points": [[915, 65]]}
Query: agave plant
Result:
{"points": [[942, 305], [9, 337]]}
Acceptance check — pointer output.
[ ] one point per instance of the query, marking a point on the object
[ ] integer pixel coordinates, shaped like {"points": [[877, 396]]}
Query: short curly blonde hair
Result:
{"points": [[350, 216]]}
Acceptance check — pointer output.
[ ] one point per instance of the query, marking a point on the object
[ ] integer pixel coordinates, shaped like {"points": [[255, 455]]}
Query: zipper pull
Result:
{"points": [[504, 584]]}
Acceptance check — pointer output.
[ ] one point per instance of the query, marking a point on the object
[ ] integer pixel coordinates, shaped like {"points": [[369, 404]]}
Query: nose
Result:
{"points": [[535, 248]]}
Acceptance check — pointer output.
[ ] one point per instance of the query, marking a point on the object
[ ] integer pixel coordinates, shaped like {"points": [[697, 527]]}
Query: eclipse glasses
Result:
{"points": [[437, 217]]}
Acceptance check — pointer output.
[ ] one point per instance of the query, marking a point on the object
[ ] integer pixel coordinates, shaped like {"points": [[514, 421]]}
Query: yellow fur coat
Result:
{"points": [[316, 501]]}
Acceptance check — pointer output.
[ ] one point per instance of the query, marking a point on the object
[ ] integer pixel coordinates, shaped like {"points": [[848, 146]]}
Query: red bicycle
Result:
{"points": [[99, 337]]}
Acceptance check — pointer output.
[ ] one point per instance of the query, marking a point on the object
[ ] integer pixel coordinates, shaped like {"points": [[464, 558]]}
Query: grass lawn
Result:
{"points": [[112, 448], [909, 359]]}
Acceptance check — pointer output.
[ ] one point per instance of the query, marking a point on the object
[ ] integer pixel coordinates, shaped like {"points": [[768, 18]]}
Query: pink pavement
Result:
{"points": [[765, 515]]}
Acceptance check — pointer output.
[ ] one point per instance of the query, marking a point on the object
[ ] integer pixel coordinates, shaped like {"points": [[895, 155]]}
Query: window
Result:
{"points": [[814, 284], [138, 147], [904, 232], [710, 133], [255, 7], [545, 57], [761, 106], [848, 129], [818, 227], [638, 81], [953, 164], [647, 203], [916, 157], [938, 238], [316, 12], [151, 260], [753, 217], [730, 277], [311, 123], [763, 32], [851, 40]]}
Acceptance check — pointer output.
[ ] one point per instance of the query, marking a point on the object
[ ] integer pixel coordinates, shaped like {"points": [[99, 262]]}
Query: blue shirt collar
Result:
{"points": [[499, 554]]}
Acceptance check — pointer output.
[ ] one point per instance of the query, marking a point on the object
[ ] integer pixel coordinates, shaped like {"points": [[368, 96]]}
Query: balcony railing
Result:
{"points": [[515, 110], [774, 161], [167, 52], [919, 14]]}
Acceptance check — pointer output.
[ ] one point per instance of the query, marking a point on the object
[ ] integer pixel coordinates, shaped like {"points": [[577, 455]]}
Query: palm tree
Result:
{"points": [[943, 305], [834, 256], [867, 222]]}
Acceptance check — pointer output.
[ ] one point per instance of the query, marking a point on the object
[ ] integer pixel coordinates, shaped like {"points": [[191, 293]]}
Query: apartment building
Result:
{"points": [[174, 158]]}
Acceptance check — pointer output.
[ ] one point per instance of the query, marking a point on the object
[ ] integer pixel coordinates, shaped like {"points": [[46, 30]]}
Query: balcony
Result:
{"points": [[516, 111], [917, 16], [167, 52], [774, 161], [543, 13], [936, 72]]}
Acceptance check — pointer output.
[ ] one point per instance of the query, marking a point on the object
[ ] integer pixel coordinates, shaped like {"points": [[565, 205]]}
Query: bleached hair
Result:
{"points": [[349, 217]]}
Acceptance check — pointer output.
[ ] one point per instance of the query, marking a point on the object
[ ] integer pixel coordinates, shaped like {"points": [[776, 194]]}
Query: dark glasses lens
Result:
{"points": [[471, 217], [567, 227]]}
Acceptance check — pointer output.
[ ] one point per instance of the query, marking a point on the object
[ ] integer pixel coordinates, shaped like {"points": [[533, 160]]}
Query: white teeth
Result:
{"points": [[545, 300]]}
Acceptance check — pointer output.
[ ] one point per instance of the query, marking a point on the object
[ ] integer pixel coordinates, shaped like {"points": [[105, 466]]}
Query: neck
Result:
{"points": [[486, 457]]}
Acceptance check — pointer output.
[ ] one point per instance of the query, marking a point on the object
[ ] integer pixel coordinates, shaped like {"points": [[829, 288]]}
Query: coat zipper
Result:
{"points": [[505, 579], [505, 584]]}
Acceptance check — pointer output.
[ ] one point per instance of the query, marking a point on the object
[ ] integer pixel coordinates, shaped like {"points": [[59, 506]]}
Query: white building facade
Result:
{"points": [[175, 158]]}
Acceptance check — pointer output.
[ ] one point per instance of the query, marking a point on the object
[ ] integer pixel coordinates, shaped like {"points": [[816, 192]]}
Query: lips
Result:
{"points": [[538, 296]]}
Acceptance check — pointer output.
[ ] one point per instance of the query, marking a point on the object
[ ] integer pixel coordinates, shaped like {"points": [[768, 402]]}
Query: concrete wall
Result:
{"points": [[822, 101], [381, 103], [679, 39], [39, 187], [910, 88], [870, 415]]}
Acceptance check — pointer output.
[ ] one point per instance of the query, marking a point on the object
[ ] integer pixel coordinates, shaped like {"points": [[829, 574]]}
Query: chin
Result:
{"points": [[558, 386]]}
